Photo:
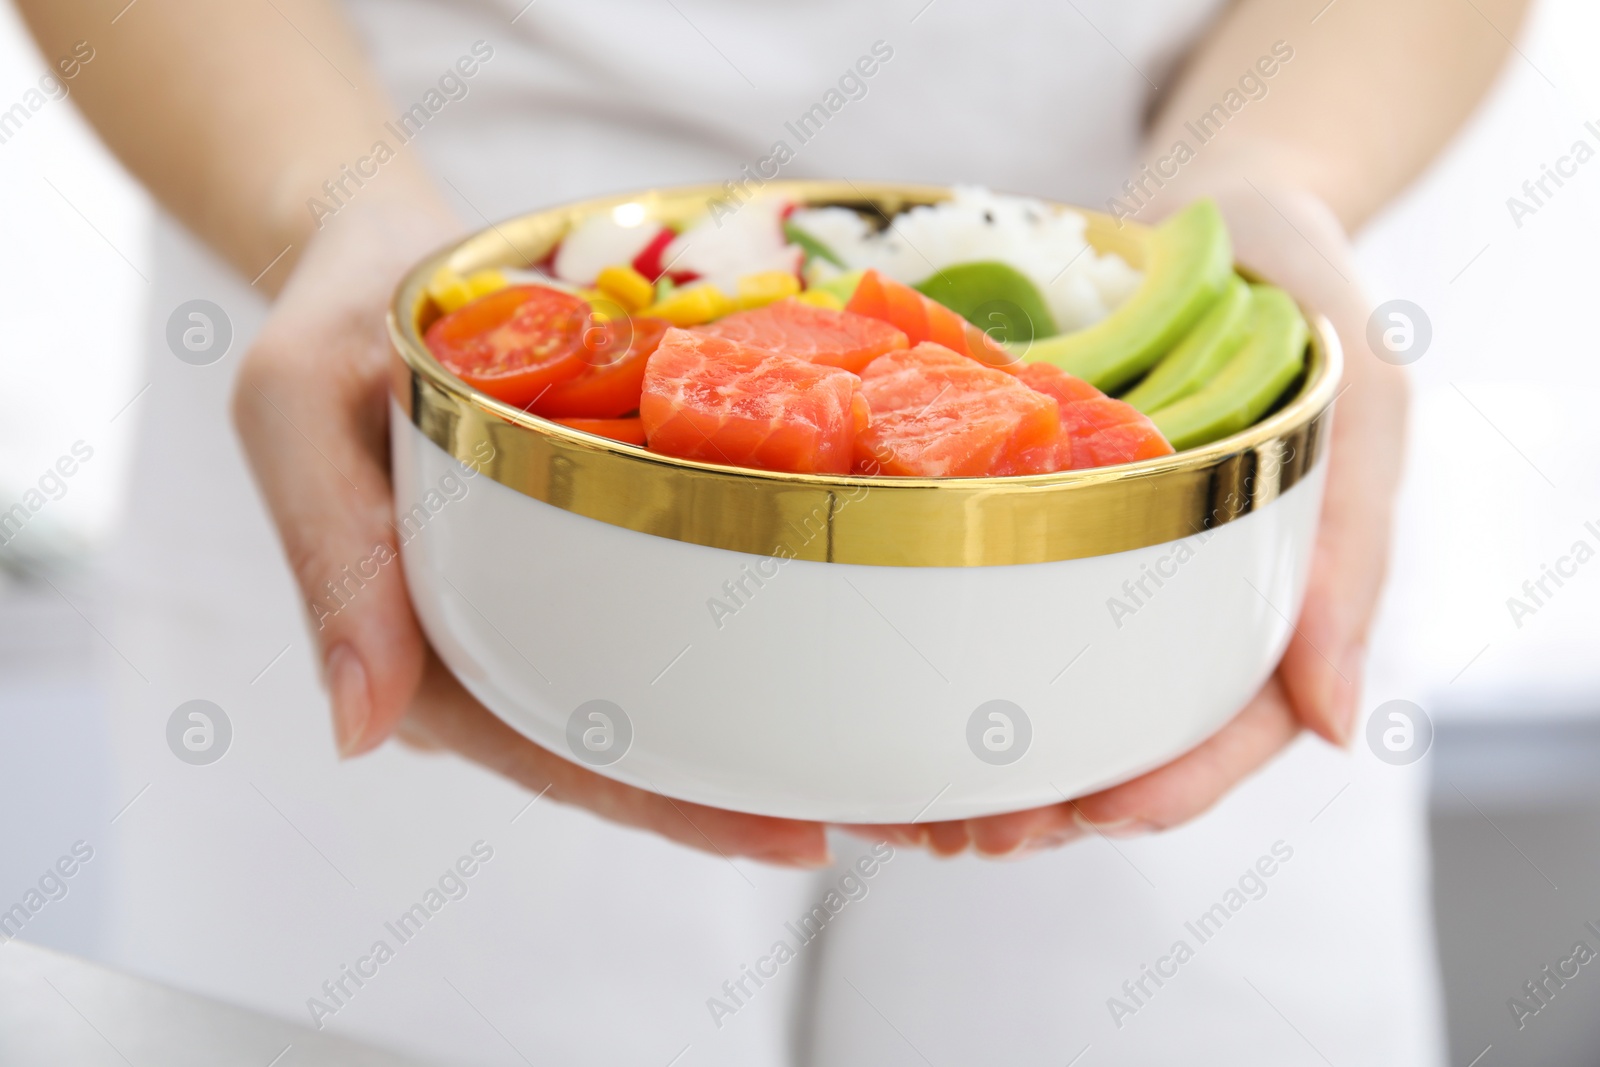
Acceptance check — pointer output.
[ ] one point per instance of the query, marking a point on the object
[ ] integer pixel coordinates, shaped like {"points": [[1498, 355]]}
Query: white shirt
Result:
{"points": [[260, 877]]}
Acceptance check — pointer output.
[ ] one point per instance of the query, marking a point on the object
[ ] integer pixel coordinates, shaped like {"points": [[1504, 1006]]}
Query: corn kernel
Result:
{"points": [[720, 303], [600, 305], [691, 306], [484, 282], [449, 290], [767, 287], [626, 286], [821, 298]]}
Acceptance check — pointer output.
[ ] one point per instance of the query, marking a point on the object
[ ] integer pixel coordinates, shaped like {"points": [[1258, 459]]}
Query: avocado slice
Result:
{"points": [[1199, 356], [812, 246], [1188, 264], [1273, 355], [995, 297]]}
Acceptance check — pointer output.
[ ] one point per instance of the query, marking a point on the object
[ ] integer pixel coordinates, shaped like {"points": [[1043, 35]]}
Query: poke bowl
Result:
{"points": [[855, 645]]}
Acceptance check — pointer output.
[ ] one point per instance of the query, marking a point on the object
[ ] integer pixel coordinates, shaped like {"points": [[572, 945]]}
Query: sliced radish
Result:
{"points": [[651, 263], [600, 241], [723, 247]]}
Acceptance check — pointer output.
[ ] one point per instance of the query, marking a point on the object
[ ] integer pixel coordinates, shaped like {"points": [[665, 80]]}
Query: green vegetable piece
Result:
{"points": [[813, 248], [664, 288], [842, 286], [1199, 356], [995, 297], [1187, 266], [1273, 355]]}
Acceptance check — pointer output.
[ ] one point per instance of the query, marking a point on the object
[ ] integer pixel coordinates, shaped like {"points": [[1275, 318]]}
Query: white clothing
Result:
{"points": [[257, 878]]}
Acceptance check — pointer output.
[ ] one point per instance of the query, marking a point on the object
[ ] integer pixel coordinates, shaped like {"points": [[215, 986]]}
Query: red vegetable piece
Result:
{"points": [[514, 343], [649, 262], [615, 353]]}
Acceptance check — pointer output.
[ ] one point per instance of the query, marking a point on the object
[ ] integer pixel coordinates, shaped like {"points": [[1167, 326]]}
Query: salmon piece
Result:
{"points": [[831, 338], [1052, 456], [719, 401], [1096, 430], [936, 414], [922, 319], [628, 431]]}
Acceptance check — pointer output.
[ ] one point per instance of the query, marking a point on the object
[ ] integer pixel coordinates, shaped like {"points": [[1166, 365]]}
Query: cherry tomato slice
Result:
{"points": [[514, 344], [628, 431], [614, 379]]}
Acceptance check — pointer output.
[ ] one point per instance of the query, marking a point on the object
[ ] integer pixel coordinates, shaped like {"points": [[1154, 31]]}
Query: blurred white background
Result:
{"points": [[1502, 475], [76, 280], [1503, 467]]}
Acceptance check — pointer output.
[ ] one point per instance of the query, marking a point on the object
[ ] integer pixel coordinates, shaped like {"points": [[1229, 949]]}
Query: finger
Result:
{"points": [[1180, 790], [996, 836], [991, 836], [1310, 257], [1322, 667], [311, 411], [446, 715], [912, 835], [948, 838]]}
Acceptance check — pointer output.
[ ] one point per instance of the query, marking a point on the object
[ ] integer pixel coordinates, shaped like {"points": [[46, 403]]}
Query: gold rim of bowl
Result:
{"points": [[874, 520]]}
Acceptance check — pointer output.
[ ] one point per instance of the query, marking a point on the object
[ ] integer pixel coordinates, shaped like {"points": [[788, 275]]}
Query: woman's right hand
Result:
{"points": [[312, 407]]}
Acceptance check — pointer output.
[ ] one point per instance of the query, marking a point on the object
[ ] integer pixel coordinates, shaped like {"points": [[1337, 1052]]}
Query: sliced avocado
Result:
{"points": [[842, 286], [995, 297], [1273, 355], [813, 248], [1188, 264], [1199, 356]]}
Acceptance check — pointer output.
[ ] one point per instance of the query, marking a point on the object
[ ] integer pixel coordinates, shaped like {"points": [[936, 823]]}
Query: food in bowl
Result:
{"points": [[855, 647], [807, 340]]}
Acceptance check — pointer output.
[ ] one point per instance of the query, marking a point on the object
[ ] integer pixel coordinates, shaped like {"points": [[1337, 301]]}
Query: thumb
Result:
{"points": [[1322, 668], [311, 409]]}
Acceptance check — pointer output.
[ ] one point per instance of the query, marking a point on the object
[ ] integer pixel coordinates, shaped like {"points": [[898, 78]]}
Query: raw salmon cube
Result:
{"points": [[936, 413], [832, 338], [922, 319], [715, 400], [1099, 430]]}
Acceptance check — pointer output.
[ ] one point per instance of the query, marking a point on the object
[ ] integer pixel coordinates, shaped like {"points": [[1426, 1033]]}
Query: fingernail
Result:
{"points": [[1129, 827], [1347, 693], [1034, 845], [809, 860], [948, 839], [989, 852], [352, 703]]}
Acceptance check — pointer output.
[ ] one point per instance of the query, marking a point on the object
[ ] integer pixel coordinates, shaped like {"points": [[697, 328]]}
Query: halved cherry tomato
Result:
{"points": [[614, 377], [628, 431], [516, 343]]}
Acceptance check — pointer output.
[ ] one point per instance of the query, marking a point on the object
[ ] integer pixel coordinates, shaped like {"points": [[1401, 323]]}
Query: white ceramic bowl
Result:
{"points": [[847, 649]]}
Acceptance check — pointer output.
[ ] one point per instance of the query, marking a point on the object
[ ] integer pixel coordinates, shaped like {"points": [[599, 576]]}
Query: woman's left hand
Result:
{"points": [[1295, 241]]}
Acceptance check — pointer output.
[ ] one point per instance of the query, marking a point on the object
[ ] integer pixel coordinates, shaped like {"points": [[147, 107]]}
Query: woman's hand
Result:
{"points": [[1293, 239], [312, 407]]}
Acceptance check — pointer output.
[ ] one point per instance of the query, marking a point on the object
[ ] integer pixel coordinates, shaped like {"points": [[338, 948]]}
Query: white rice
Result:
{"points": [[1079, 285]]}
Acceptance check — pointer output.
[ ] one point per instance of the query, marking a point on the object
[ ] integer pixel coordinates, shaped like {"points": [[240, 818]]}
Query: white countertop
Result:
{"points": [[57, 1009]]}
